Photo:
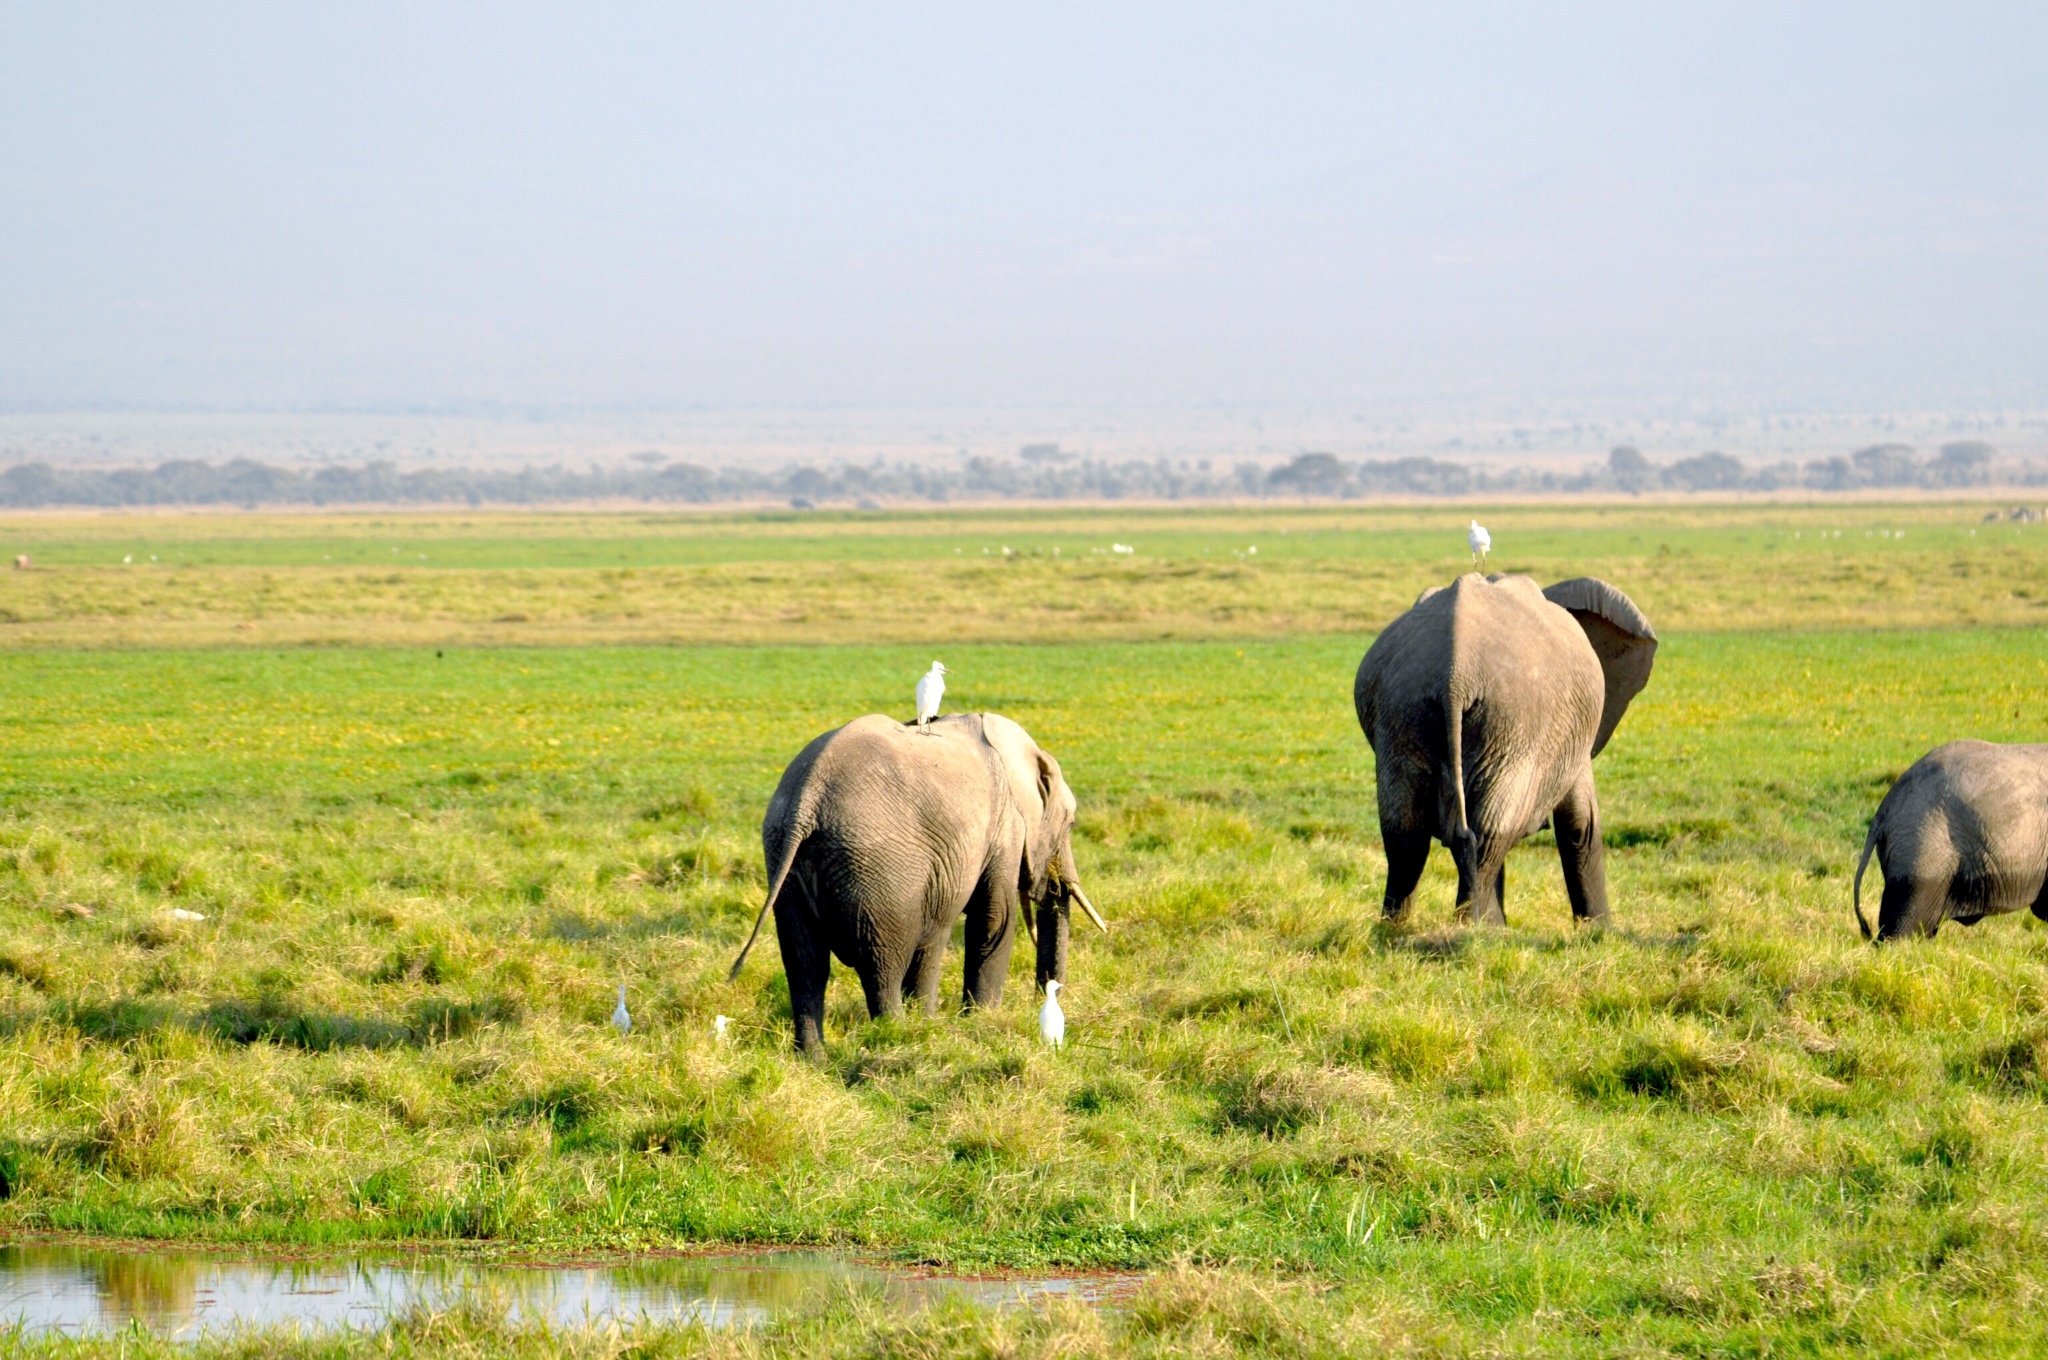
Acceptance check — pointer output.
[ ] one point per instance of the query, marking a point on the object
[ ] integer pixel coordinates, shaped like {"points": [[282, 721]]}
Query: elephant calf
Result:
{"points": [[1963, 835], [881, 834], [1484, 705]]}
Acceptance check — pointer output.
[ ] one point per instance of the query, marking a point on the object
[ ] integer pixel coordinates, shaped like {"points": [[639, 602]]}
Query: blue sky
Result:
{"points": [[1427, 209]]}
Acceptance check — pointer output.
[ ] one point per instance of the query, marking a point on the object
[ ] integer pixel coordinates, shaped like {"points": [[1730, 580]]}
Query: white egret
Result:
{"points": [[930, 690], [1052, 1021], [1477, 539], [621, 1021], [718, 1028]]}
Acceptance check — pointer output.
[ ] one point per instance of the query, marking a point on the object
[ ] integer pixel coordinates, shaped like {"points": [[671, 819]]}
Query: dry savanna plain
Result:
{"points": [[439, 783]]}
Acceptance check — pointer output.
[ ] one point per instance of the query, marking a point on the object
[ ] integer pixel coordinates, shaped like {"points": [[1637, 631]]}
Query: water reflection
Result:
{"points": [[184, 1294]]}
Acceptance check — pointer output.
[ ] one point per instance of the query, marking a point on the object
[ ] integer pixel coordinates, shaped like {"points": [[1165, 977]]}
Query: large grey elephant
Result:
{"points": [[1961, 836], [881, 834], [1484, 705]]}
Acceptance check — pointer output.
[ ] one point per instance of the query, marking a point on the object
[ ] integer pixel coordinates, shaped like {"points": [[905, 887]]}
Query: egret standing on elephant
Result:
{"points": [[931, 692]]}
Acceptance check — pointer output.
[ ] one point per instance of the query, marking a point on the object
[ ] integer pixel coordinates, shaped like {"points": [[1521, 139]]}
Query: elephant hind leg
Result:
{"points": [[926, 965], [807, 965], [1580, 851], [884, 989], [1482, 878], [1911, 907], [1407, 855]]}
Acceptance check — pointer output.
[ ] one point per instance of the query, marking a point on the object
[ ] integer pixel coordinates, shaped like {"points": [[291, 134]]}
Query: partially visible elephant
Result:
{"points": [[1484, 705], [881, 834], [1963, 835]]}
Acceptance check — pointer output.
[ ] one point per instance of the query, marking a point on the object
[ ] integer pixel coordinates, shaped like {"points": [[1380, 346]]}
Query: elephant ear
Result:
{"points": [[1622, 638], [1042, 842]]}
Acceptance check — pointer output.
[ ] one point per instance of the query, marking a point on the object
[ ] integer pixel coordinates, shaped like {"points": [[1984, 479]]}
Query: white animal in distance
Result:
{"points": [[1052, 1021], [621, 1021], [1481, 542], [931, 690], [718, 1028]]}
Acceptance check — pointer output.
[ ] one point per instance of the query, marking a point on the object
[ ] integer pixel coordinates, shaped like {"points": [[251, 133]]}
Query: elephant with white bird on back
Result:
{"points": [[1484, 705], [881, 835]]}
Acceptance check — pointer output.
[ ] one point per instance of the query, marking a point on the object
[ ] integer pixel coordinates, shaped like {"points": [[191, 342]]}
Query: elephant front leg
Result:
{"points": [[991, 931], [1580, 851]]}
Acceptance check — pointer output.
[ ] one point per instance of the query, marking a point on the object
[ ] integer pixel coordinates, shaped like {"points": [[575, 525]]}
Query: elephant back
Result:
{"points": [[1481, 704], [1476, 636]]}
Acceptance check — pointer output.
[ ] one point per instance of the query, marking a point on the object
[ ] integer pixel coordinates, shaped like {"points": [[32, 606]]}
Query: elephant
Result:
{"points": [[881, 834], [1484, 705], [1962, 835]]}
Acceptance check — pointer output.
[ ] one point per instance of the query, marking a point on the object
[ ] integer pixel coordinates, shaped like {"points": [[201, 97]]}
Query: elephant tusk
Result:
{"points": [[1088, 907]]}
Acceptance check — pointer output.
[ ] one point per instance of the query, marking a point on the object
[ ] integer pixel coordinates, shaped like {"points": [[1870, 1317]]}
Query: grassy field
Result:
{"points": [[1724, 1126], [985, 576]]}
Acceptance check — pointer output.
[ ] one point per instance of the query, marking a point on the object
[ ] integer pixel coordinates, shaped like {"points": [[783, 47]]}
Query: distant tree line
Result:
{"points": [[1039, 473], [1967, 462]]}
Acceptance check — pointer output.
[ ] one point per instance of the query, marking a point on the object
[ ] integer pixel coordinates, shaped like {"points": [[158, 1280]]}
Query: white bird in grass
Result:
{"points": [[718, 1026], [1052, 1021], [1479, 541], [931, 688], [621, 1021]]}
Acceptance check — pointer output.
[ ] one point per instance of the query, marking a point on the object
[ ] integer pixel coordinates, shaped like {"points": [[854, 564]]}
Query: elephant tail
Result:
{"points": [[778, 876], [1454, 751], [1856, 884]]}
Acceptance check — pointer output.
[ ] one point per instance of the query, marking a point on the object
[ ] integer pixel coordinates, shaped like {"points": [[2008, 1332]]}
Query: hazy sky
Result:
{"points": [[1418, 208]]}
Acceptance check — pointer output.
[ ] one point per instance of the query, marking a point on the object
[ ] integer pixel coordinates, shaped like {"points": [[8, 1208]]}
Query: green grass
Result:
{"points": [[1046, 576], [1723, 1125], [498, 540]]}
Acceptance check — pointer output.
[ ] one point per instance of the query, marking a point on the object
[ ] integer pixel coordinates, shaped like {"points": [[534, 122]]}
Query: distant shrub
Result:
{"points": [[1706, 472]]}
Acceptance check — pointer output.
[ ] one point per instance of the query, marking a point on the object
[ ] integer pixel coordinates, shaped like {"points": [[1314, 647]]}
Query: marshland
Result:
{"points": [[436, 784]]}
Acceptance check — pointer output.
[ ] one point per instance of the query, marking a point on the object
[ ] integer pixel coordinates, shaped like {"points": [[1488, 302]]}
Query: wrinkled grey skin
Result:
{"points": [[1484, 705], [1963, 835], [880, 835]]}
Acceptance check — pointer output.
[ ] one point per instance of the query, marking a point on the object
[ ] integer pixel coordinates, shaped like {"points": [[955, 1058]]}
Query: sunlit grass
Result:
{"points": [[423, 872], [990, 576]]}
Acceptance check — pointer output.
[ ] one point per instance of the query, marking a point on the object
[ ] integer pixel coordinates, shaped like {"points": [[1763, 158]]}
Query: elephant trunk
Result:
{"points": [[1054, 912], [1055, 933]]}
